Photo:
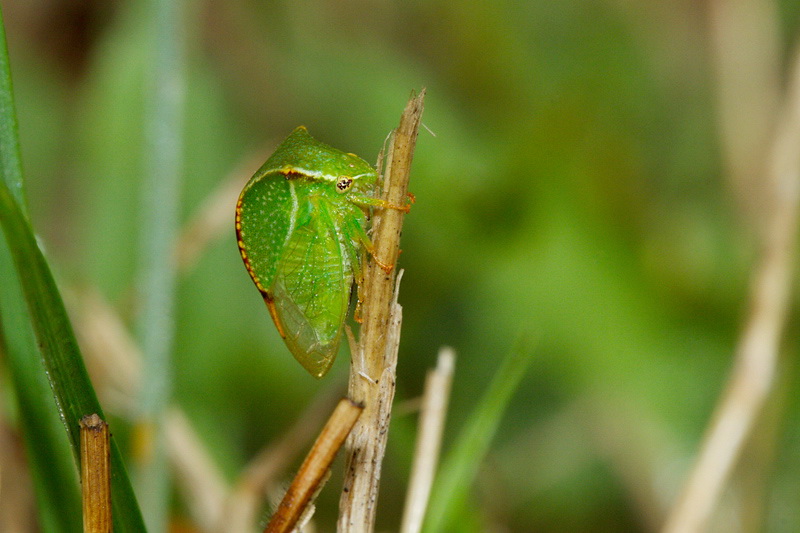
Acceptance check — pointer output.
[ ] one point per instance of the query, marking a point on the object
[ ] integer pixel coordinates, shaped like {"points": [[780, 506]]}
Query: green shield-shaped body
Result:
{"points": [[300, 224]]}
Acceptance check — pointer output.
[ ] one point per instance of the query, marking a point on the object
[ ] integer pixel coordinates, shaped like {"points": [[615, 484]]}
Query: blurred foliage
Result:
{"points": [[573, 192], [63, 364]]}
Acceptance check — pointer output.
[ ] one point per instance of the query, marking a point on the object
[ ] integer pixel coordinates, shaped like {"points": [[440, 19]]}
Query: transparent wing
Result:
{"points": [[312, 292]]}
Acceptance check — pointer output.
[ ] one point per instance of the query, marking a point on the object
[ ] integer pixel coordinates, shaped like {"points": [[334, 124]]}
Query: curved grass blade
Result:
{"points": [[63, 363], [458, 471], [52, 469], [10, 161]]}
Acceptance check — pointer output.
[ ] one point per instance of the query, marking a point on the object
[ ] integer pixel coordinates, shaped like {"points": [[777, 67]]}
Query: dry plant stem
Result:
{"points": [[757, 354], [195, 473], [245, 500], [114, 363], [372, 369], [429, 440], [95, 475], [745, 43], [315, 468], [112, 357]]}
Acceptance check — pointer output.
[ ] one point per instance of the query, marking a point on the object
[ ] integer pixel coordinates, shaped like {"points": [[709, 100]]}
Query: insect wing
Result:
{"points": [[312, 291]]}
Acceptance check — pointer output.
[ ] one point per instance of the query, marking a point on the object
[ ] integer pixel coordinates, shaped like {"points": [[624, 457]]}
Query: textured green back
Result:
{"points": [[301, 239], [264, 226], [305, 155]]}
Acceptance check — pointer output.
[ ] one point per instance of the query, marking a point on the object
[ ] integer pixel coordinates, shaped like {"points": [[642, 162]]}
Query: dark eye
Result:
{"points": [[344, 184]]}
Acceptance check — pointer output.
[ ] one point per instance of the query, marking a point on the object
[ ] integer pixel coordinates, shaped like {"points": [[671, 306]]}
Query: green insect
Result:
{"points": [[301, 228]]}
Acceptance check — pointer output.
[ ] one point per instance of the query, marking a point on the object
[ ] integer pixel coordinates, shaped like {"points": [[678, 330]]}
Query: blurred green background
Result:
{"points": [[575, 193]]}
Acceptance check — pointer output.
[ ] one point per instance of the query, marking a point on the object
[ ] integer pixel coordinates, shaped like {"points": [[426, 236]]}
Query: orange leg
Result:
{"points": [[357, 313], [360, 280], [388, 205], [365, 201], [386, 268]]}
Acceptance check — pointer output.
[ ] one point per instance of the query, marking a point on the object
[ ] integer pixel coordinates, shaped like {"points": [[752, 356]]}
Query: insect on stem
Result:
{"points": [[301, 227], [379, 339]]}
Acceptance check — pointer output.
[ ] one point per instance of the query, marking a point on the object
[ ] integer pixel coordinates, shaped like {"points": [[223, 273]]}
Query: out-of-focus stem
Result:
{"points": [[159, 229], [757, 354]]}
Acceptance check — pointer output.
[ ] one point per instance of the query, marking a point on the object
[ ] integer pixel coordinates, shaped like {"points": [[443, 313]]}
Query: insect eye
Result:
{"points": [[344, 184]]}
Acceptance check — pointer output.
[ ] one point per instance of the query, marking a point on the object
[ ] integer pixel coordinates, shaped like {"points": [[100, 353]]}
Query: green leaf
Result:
{"points": [[10, 161], [53, 471], [55, 478], [34, 319], [159, 222], [459, 468], [73, 391]]}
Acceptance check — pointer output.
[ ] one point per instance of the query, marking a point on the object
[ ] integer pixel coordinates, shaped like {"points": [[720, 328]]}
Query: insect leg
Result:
{"points": [[362, 237], [385, 267], [358, 261], [368, 201], [358, 276]]}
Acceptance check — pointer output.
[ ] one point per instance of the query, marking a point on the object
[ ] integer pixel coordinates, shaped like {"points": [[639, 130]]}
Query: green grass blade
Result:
{"points": [[53, 471], [459, 468], [55, 477], [160, 204], [70, 383], [159, 231], [10, 161]]}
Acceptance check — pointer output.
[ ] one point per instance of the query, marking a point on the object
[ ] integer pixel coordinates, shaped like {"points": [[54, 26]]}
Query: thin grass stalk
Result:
{"points": [[746, 50], [459, 468], [159, 229], [429, 440], [10, 161], [297, 505], [61, 356], [753, 375]]}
